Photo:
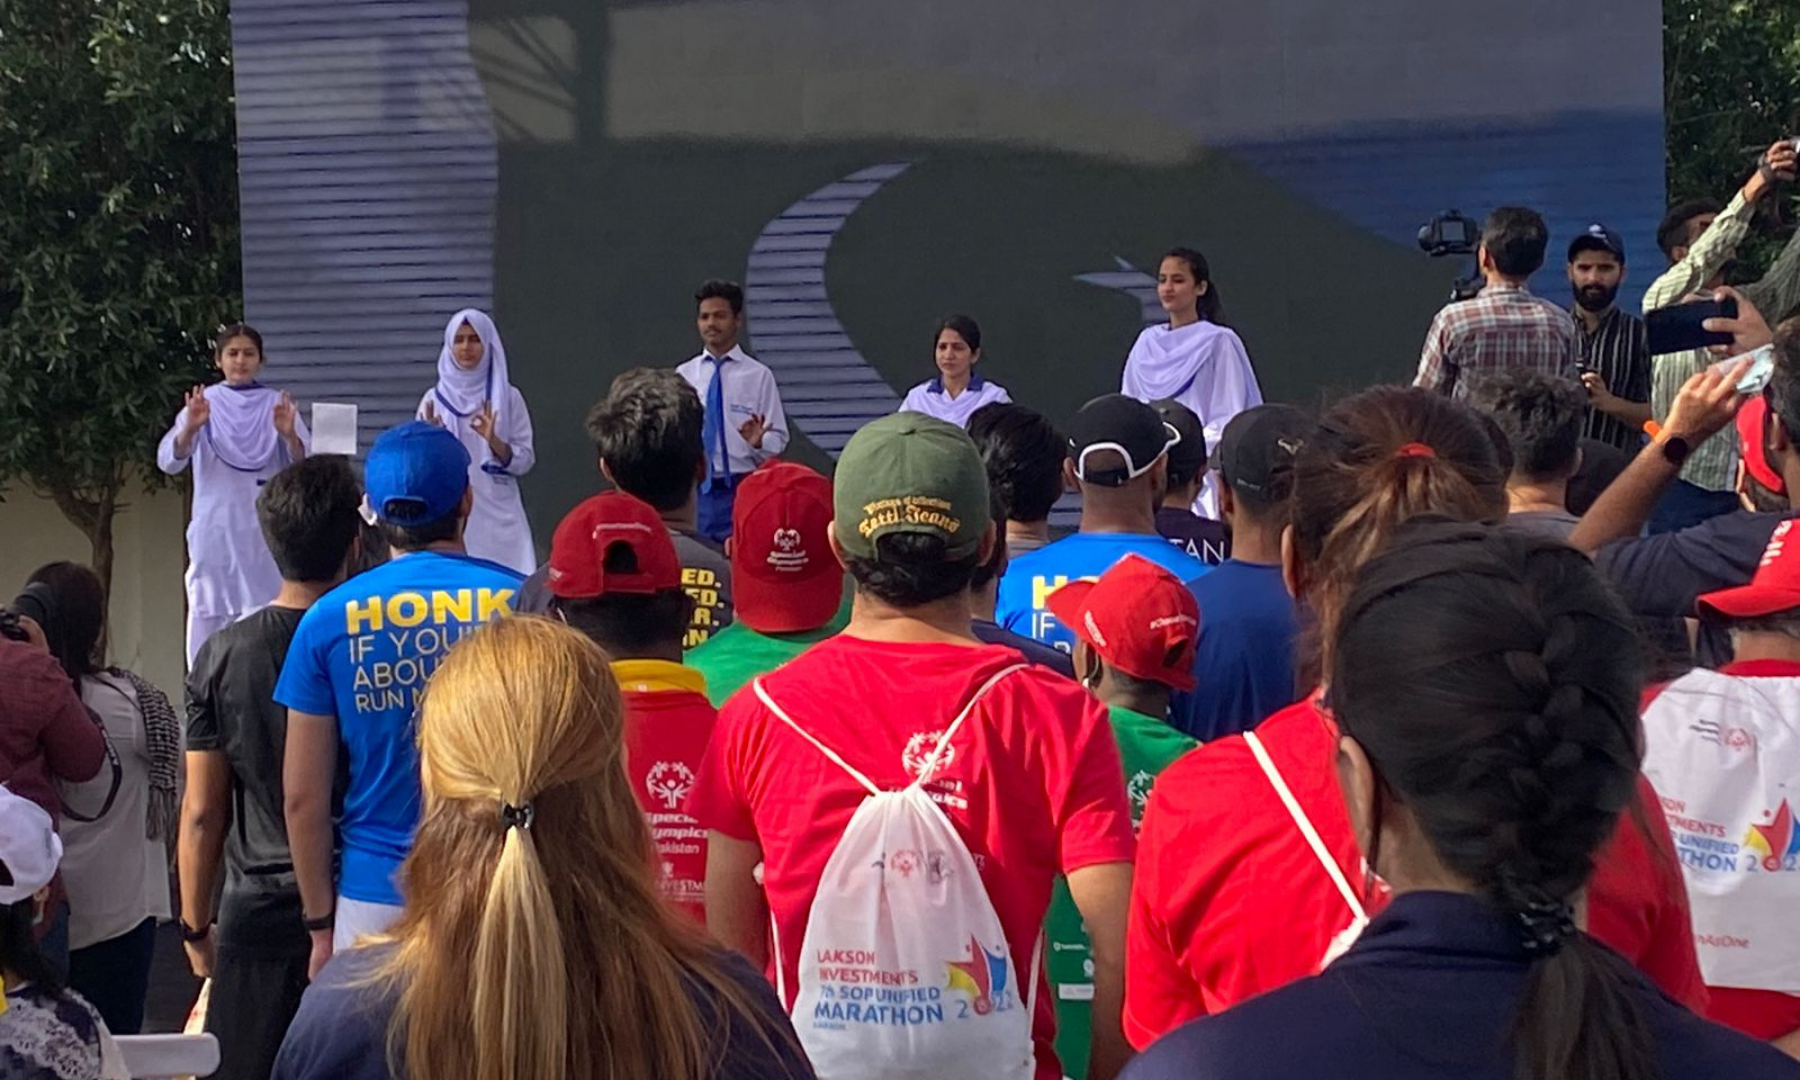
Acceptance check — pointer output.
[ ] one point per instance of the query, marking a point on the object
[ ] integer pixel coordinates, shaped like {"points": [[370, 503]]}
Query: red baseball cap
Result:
{"points": [[1774, 588], [784, 578], [1139, 617], [1750, 421], [590, 535]]}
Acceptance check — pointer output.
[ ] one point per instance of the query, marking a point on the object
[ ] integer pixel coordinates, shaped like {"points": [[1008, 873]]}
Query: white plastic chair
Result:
{"points": [[164, 1057]]}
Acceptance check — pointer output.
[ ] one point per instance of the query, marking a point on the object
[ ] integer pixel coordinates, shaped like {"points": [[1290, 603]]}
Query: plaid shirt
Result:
{"points": [[1620, 353], [1505, 327]]}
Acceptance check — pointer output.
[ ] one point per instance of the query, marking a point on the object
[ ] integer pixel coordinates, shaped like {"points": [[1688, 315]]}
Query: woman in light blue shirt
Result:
{"points": [[957, 391]]}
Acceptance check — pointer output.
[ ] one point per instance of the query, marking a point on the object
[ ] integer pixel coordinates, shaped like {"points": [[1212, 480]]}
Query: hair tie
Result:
{"points": [[1415, 449], [1544, 926], [518, 817]]}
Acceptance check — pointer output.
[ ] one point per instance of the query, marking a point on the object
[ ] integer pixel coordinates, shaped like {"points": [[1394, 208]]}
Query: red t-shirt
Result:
{"points": [[668, 722], [1033, 783], [1229, 900], [1760, 1014]]}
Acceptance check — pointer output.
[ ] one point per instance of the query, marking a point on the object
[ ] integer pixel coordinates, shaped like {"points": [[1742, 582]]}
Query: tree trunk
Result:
{"points": [[94, 517]]}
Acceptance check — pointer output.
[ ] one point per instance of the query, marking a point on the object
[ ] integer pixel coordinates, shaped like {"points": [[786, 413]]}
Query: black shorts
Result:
{"points": [[254, 997]]}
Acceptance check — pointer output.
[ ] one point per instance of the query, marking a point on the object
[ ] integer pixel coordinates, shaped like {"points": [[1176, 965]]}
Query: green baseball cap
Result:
{"points": [[910, 473]]}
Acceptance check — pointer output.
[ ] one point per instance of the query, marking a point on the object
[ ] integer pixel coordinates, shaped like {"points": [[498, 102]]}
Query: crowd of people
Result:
{"points": [[1445, 731]]}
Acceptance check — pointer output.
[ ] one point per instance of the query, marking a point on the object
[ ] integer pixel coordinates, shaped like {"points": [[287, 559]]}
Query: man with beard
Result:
{"points": [[1701, 242], [1615, 354]]}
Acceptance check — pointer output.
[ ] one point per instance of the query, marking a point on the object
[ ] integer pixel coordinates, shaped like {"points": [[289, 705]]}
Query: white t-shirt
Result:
{"points": [[116, 875]]}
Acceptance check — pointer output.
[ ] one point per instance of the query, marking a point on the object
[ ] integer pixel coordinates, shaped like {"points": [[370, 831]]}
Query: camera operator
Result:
{"points": [[1613, 349], [1701, 241], [46, 735], [1505, 327]]}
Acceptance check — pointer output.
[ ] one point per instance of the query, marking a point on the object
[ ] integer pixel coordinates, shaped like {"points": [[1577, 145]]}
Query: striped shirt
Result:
{"points": [[1619, 353], [1504, 328]]}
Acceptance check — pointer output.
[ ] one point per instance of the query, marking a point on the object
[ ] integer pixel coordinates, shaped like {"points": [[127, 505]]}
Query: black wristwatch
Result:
{"points": [[191, 935], [324, 922], [1675, 450]]}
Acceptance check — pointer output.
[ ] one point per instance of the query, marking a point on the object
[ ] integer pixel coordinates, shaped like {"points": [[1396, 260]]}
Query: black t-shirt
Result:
{"points": [[705, 576], [231, 709], [1203, 538]]}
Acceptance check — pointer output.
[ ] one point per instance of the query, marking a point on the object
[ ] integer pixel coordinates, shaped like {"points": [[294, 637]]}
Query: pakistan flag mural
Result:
{"points": [[866, 167]]}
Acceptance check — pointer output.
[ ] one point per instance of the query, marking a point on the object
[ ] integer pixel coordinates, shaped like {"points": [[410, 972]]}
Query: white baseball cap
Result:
{"points": [[29, 847]]}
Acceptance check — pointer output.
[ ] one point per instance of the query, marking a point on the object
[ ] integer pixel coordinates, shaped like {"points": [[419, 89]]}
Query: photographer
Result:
{"points": [[118, 828], [1506, 326], [45, 736], [1701, 242]]}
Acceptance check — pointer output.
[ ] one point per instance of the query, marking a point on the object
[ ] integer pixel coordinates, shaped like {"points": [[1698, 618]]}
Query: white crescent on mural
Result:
{"points": [[827, 388]]}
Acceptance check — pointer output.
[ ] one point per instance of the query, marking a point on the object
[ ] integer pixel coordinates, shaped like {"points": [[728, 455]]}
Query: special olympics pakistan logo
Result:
{"points": [[918, 752], [670, 781]]}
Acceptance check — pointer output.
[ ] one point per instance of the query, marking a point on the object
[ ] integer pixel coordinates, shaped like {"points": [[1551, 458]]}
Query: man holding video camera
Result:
{"points": [[1701, 238], [1506, 327]]}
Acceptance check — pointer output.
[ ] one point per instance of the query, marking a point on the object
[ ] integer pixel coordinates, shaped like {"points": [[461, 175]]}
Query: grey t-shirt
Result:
{"points": [[1556, 524], [705, 575]]}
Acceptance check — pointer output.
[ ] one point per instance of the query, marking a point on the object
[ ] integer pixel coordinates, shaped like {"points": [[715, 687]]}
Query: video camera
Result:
{"points": [[1453, 233], [36, 603]]}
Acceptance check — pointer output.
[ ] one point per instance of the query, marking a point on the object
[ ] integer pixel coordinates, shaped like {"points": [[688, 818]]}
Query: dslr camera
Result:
{"points": [[35, 603], [1454, 233]]}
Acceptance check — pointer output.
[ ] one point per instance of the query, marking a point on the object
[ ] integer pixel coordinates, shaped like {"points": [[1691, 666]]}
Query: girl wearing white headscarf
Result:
{"points": [[237, 433], [1196, 359], [475, 400]]}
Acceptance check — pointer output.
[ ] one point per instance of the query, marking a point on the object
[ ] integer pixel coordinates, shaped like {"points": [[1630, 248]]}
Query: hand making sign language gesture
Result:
{"points": [[481, 422], [753, 430]]}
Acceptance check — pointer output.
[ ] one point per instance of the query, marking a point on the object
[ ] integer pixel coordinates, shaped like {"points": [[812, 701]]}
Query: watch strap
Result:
{"points": [[191, 935], [326, 921]]}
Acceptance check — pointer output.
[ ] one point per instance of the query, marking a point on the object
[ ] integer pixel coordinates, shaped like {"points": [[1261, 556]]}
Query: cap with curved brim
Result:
{"points": [[1774, 589], [1139, 617]]}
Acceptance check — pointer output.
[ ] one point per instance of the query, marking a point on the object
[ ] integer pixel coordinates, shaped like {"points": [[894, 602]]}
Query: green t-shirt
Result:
{"points": [[1147, 746], [735, 655]]}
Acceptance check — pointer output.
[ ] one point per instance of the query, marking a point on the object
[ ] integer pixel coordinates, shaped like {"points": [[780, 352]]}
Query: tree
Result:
{"points": [[1731, 80], [118, 238]]}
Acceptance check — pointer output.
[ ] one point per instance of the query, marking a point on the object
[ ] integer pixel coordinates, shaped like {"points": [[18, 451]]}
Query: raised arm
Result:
{"points": [[1709, 252]]}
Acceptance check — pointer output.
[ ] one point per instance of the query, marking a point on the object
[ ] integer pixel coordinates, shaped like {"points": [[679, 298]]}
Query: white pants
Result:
{"points": [[359, 918]]}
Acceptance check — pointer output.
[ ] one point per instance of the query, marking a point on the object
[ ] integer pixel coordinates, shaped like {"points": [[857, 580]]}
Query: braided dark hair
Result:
{"points": [[1515, 746]]}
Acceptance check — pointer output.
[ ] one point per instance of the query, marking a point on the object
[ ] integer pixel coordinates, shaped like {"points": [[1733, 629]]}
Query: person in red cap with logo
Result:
{"points": [[615, 576], [789, 587], [1723, 750], [1135, 633]]}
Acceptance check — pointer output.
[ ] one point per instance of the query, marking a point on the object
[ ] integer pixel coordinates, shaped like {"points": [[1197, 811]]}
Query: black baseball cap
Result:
{"points": [[1260, 443], [1597, 237], [1188, 457], [1125, 426]]}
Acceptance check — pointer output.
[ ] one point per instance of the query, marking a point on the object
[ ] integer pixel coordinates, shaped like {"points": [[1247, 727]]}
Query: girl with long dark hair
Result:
{"points": [[958, 390], [118, 829], [1485, 689]]}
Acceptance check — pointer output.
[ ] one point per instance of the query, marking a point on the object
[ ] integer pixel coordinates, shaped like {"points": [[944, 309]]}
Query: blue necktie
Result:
{"points": [[718, 466]]}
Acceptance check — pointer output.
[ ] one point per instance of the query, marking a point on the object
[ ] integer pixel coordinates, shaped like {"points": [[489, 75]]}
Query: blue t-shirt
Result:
{"points": [[362, 654], [1244, 666], [1025, 588]]}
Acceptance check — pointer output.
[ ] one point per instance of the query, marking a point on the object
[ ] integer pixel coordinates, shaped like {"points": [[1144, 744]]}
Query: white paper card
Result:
{"points": [[333, 429]]}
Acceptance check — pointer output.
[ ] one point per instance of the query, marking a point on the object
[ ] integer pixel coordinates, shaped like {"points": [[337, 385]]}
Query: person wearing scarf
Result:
{"points": [[958, 389], [475, 401], [237, 434], [1196, 359]]}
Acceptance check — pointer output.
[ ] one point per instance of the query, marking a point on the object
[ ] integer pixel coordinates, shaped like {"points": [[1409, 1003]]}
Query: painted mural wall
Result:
{"points": [[866, 167]]}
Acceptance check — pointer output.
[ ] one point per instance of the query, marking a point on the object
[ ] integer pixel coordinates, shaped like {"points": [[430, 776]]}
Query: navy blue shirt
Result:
{"points": [[1428, 992], [1244, 665], [1035, 652], [341, 1030]]}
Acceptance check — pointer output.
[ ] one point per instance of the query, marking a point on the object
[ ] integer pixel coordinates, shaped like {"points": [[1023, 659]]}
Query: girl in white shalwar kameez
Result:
{"points": [[237, 434], [1195, 359], [475, 401]]}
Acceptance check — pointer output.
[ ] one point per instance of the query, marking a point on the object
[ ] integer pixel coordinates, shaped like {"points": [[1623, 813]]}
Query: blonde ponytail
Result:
{"points": [[535, 944]]}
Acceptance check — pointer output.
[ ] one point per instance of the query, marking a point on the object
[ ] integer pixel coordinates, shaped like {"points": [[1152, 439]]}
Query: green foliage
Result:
{"points": [[118, 235], [1731, 79]]}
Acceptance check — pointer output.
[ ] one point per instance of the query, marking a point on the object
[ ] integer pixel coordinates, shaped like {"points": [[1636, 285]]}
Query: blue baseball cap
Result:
{"points": [[416, 472], [1597, 237]]}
